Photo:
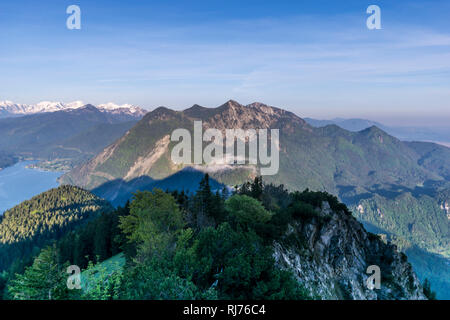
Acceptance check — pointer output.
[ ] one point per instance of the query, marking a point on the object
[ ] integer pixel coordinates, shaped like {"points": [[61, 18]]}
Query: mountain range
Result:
{"points": [[399, 188], [72, 134], [326, 158], [438, 134], [11, 109]]}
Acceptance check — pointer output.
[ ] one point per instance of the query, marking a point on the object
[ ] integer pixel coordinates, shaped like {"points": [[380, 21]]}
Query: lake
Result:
{"points": [[18, 183]]}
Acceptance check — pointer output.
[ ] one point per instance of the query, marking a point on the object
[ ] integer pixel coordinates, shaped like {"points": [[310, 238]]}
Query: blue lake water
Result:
{"points": [[18, 183]]}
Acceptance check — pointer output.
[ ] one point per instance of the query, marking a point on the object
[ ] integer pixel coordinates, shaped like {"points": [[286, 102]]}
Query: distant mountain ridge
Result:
{"points": [[439, 135], [73, 134], [353, 124], [11, 109]]}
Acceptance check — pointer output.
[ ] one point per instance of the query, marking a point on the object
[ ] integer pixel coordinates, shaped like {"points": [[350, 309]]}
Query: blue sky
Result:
{"points": [[316, 58]]}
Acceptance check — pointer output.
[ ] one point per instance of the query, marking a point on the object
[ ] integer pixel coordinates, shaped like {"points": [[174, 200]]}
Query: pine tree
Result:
{"points": [[257, 188], [44, 280], [427, 290], [203, 209]]}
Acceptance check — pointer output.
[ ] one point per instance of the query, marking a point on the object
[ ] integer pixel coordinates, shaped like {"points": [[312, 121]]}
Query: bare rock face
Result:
{"points": [[233, 115], [329, 254]]}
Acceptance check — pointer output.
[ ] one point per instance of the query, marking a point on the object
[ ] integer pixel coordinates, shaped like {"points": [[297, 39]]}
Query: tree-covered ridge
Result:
{"points": [[45, 217], [201, 246], [207, 245], [177, 246], [51, 210], [418, 219], [420, 226]]}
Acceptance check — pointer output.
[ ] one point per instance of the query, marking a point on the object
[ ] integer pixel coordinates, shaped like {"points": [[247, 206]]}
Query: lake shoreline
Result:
{"points": [[19, 183]]}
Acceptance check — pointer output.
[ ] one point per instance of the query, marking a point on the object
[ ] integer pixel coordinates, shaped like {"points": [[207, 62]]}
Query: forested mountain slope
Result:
{"points": [[262, 242], [48, 216]]}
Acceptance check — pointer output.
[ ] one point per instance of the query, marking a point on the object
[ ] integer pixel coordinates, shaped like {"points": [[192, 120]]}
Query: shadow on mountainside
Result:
{"points": [[119, 191], [353, 194]]}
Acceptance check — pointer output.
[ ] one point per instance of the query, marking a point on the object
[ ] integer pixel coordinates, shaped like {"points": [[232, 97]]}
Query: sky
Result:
{"points": [[315, 58]]}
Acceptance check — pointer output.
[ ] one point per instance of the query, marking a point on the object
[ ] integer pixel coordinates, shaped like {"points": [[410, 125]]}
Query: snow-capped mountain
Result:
{"points": [[11, 109], [8, 107], [124, 109]]}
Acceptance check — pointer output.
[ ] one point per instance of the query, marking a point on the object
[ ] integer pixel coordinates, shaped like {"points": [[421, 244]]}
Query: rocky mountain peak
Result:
{"points": [[231, 104], [233, 115], [253, 116]]}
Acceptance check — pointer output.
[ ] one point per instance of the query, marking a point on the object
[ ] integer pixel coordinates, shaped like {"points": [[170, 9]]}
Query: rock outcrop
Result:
{"points": [[329, 254]]}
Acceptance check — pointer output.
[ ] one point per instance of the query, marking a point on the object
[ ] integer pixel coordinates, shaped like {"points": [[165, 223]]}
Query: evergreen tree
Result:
{"points": [[202, 209], [257, 188], [427, 290], [44, 280]]}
